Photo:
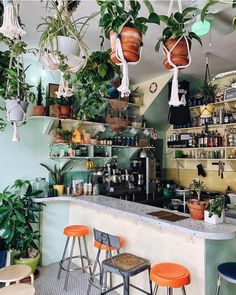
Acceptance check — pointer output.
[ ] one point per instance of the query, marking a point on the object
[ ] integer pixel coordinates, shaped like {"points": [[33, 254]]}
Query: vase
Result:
{"points": [[32, 262], [179, 55], [59, 188], [16, 110], [131, 40], [214, 219], [196, 210], [39, 110], [64, 111]]}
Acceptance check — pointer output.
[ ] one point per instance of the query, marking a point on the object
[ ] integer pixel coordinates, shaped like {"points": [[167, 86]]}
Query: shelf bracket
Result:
{"points": [[48, 125]]}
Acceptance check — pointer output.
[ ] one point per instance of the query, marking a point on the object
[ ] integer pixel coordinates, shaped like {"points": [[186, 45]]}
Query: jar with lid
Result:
{"points": [[40, 184]]}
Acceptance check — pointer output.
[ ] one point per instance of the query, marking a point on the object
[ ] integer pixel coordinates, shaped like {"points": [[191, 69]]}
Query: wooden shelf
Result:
{"points": [[203, 127]]}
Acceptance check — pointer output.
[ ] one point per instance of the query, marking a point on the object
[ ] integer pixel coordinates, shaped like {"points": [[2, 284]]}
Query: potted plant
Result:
{"points": [[207, 93], [65, 106], [196, 206], [61, 35], [39, 109], [92, 84], [62, 136], [18, 214], [117, 19], [173, 37], [214, 211], [58, 174]]}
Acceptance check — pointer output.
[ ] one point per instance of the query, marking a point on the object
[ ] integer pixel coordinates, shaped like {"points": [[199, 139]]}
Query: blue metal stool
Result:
{"points": [[226, 271]]}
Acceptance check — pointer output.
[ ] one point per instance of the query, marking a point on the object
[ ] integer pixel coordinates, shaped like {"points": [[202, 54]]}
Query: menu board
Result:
{"points": [[230, 94]]}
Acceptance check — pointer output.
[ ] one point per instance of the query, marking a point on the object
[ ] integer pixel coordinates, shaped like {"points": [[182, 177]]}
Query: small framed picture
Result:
{"points": [[51, 108], [230, 94], [51, 89]]}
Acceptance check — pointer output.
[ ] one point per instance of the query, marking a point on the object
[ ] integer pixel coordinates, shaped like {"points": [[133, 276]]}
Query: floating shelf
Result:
{"points": [[105, 145], [81, 158]]}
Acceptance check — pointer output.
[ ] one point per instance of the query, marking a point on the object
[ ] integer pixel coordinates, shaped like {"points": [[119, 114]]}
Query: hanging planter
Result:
{"points": [[16, 110], [131, 42], [179, 54]]}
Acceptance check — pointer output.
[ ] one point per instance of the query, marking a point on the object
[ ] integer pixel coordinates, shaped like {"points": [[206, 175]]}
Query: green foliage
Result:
{"points": [[207, 90], [64, 101], [92, 83], [114, 15], [175, 27], [58, 173], [65, 134], [18, 212], [39, 101], [216, 206]]}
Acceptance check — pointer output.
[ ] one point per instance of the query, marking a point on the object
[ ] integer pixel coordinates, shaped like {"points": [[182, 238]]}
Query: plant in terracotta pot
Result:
{"points": [[65, 105], [18, 215], [173, 37], [196, 206], [58, 175], [117, 18], [207, 92], [39, 109], [214, 211]]}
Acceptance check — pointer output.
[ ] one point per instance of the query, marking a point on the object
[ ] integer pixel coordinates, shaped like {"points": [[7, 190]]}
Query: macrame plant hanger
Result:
{"points": [[11, 29], [124, 87], [174, 98]]}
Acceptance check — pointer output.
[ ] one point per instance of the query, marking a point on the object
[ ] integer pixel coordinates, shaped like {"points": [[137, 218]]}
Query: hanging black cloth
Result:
{"points": [[180, 116]]}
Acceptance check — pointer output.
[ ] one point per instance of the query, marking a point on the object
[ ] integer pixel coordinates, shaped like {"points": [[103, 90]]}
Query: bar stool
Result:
{"points": [[74, 231], [108, 254], [170, 275], [126, 265], [15, 273], [226, 271], [19, 289]]}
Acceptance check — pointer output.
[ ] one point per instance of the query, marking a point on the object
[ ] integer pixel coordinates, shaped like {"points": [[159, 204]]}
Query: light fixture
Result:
{"points": [[201, 28]]}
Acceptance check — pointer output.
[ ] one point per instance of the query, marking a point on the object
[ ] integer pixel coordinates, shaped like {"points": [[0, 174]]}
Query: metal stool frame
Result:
{"points": [[68, 269], [169, 290], [221, 276]]}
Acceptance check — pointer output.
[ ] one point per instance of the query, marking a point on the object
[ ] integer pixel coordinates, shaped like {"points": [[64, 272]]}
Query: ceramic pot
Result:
{"points": [[179, 55], [14, 110], [39, 110], [66, 45], [59, 188], [64, 111], [32, 262], [131, 40], [206, 111], [214, 219], [196, 210]]}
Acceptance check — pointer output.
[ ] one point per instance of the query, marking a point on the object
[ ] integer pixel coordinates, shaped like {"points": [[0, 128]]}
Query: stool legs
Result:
{"points": [[169, 291], [155, 290], [63, 258], [69, 263], [183, 290], [218, 286], [87, 255], [150, 282], [91, 279], [126, 286], [81, 258]]}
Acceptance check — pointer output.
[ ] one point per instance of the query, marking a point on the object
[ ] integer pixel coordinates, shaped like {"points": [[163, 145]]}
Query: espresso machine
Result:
{"points": [[143, 168]]}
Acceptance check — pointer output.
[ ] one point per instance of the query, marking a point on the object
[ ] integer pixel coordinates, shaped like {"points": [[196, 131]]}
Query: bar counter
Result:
{"points": [[196, 244]]}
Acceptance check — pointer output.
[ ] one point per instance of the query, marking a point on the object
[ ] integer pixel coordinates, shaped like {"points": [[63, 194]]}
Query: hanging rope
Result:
{"points": [[64, 90], [10, 27]]}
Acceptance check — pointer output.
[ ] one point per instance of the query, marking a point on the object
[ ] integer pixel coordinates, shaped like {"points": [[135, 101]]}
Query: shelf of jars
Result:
{"points": [[217, 103]]}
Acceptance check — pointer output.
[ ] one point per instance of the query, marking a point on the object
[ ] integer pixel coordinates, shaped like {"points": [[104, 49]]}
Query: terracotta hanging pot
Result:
{"points": [[179, 54], [197, 210], [64, 111], [131, 40], [39, 110]]}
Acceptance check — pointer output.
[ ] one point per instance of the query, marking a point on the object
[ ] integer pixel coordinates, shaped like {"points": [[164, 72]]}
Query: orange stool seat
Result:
{"points": [[171, 275], [76, 230], [106, 247]]}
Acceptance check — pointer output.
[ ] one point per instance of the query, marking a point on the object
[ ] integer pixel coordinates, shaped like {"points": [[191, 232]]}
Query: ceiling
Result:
{"points": [[222, 49]]}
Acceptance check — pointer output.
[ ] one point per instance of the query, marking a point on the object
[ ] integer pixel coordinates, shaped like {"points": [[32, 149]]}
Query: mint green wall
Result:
{"points": [[218, 252]]}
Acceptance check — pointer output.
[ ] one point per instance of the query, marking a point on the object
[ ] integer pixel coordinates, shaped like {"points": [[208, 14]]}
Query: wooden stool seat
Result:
{"points": [[76, 230], [19, 289], [14, 273]]}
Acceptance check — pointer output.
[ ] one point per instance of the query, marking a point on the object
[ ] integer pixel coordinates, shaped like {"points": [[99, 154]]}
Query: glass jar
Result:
{"points": [[40, 184]]}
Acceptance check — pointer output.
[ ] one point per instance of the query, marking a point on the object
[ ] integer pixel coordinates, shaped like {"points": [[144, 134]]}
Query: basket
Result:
{"points": [[117, 124], [119, 104]]}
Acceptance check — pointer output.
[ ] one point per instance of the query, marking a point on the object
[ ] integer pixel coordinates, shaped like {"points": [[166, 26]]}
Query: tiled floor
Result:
{"points": [[48, 284]]}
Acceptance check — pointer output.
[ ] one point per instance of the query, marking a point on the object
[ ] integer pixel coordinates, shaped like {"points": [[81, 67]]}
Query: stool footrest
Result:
{"points": [[76, 268]]}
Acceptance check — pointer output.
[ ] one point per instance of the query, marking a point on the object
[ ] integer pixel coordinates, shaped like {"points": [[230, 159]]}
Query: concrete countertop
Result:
{"points": [[201, 229]]}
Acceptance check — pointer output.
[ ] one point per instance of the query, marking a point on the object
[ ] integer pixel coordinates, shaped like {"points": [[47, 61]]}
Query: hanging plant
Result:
{"points": [[61, 34], [124, 26]]}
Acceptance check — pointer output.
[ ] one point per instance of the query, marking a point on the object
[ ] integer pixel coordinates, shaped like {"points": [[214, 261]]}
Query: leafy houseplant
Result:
{"points": [[175, 29], [39, 109], [58, 174], [196, 207], [91, 84], [214, 212], [117, 19], [65, 106], [207, 92], [18, 213]]}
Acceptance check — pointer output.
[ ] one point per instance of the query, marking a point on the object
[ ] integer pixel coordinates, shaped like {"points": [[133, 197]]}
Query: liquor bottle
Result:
{"points": [[226, 118], [205, 139]]}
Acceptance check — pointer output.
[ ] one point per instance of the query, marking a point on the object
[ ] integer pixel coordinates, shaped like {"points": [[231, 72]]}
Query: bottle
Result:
{"points": [[40, 184], [226, 118], [90, 188], [85, 188]]}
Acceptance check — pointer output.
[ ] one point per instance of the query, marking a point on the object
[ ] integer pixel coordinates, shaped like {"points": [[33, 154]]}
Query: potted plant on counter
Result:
{"points": [[214, 211], [173, 37], [18, 214], [207, 94], [117, 18], [39, 109], [58, 175], [196, 206], [65, 106]]}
